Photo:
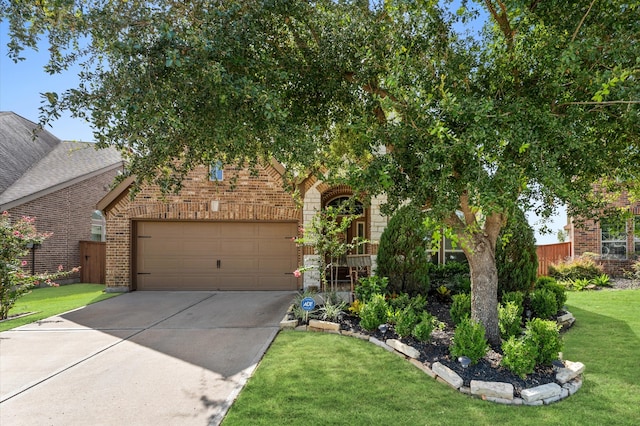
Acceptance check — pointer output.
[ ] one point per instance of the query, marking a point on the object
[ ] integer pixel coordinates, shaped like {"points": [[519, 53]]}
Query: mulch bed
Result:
{"points": [[437, 350]]}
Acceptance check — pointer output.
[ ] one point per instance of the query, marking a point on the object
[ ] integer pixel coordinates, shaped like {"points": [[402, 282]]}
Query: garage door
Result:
{"points": [[215, 256]]}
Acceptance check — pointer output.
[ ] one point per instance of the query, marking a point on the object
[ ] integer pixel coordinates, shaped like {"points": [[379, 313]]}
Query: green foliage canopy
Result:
{"points": [[533, 110]]}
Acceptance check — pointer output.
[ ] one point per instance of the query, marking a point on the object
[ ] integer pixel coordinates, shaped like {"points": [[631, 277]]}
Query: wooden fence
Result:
{"points": [[93, 259], [551, 253]]}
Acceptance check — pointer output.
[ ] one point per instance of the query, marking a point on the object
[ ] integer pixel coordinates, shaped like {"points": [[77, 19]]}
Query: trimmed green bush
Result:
{"points": [[422, 331], [405, 322], [369, 286], [517, 297], [543, 303], [374, 312], [509, 319], [469, 340], [544, 335], [549, 283], [516, 257], [460, 307], [402, 255], [519, 356]]}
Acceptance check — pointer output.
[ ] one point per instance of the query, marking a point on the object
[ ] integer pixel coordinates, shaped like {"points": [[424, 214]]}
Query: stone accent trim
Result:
{"points": [[497, 392]]}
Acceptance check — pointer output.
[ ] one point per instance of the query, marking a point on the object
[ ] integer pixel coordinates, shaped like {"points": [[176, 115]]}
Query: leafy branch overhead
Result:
{"points": [[470, 113]]}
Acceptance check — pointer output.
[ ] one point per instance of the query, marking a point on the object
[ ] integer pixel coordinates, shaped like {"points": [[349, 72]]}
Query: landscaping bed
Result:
{"points": [[437, 350]]}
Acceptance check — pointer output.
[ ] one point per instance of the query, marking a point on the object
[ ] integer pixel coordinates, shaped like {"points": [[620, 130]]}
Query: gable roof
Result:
{"points": [[18, 149], [46, 164]]}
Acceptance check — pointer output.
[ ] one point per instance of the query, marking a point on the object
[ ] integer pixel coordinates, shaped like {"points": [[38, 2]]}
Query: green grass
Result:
{"points": [[48, 301], [325, 379]]}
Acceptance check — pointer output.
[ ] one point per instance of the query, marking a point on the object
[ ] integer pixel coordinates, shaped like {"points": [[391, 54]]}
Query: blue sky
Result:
{"points": [[22, 83]]}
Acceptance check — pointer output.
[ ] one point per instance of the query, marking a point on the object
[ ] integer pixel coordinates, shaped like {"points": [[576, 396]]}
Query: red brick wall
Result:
{"points": [[248, 198], [586, 238], [67, 214]]}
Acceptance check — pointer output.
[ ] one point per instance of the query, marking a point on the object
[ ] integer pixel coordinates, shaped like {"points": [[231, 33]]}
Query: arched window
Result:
{"points": [[98, 225], [357, 208]]}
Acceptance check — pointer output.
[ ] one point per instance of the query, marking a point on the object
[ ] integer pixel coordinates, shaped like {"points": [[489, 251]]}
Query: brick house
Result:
{"points": [[225, 230], [616, 243], [57, 182]]}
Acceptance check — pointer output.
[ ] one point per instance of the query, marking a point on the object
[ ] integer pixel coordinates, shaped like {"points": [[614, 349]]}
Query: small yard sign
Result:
{"points": [[308, 304]]}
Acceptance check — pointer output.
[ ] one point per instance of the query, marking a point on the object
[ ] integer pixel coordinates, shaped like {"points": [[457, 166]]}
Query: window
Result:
{"points": [[97, 226], [216, 172], [613, 239], [636, 234], [453, 254], [360, 233]]}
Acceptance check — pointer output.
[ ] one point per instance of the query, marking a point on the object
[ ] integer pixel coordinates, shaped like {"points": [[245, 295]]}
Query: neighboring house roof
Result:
{"points": [[46, 164], [18, 149]]}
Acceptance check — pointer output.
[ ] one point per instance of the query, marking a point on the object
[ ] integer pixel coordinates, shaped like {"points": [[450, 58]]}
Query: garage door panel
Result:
{"points": [[176, 255]]}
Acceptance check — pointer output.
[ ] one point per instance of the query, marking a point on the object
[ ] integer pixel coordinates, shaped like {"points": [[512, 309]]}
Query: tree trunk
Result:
{"points": [[484, 286]]}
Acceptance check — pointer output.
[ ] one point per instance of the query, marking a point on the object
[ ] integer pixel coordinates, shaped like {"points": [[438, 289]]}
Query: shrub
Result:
{"points": [[509, 319], [634, 273], [332, 311], [399, 301], [544, 335], [583, 267], [422, 331], [402, 255], [460, 307], [517, 297], [418, 303], [543, 303], [560, 292], [356, 307], [469, 340], [516, 257], [368, 286], [601, 281], [453, 275], [406, 322], [374, 312], [519, 356]]}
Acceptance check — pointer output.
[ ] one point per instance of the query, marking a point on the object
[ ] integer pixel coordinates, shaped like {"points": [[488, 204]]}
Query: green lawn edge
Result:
{"points": [[326, 379], [48, 301]]}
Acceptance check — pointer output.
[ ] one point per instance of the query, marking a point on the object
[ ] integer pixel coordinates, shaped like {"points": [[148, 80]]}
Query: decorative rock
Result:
{"points": [[541, 392], [355, 334], [465, 390], [498, 390], [425, 368], [447, 374], [534, 403], [286, 324], [498, 400], [565, 321], [409, 351], [573, 385], [324, 325], [517, 401], [552, 399], [570, 371], [380, 343]]}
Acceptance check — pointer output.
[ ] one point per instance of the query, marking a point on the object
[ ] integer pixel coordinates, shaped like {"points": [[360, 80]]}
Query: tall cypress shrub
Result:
{"points": [[516, 257], [403, 252]]}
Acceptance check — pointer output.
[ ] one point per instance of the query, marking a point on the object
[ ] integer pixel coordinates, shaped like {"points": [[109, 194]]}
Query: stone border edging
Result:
{"points": [[503, 393]]}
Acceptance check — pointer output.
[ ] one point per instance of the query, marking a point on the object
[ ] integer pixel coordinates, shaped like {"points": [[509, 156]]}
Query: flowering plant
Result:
{"points": [[15, 240], [327, 234]]}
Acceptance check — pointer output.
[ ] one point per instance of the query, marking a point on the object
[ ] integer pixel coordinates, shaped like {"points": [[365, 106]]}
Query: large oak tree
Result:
{"points": [[394, 96]]}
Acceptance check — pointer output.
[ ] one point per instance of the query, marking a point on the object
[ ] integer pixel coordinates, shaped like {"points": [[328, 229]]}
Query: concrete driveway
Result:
{"points": [[156, 358]]}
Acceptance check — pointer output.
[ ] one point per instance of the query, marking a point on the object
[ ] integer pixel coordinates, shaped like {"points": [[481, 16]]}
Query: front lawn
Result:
{"points": [[324, 379], [47, 301]]}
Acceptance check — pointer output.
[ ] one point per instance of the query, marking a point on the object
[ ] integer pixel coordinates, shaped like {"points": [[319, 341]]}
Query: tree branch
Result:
{"points": [[599, 103], [502, 19], [575, 33]]}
